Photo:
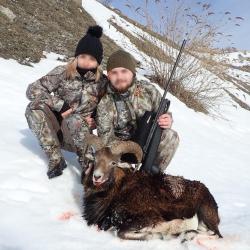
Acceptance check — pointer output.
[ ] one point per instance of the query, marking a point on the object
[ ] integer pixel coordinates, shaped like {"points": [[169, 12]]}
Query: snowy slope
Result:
{"points": [[102, 15], [37, 213]]}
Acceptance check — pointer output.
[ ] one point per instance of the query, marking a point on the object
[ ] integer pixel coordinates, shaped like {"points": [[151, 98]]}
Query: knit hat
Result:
{"points": [[122, 59], [90, 44]]}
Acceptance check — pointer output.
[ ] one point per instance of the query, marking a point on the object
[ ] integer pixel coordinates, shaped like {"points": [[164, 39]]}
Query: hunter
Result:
{"points": [[64, 101], [126, 101]]}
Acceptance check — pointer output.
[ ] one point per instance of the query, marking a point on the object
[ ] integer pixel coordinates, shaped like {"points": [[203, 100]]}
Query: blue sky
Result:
{"points": [[240, 35]]}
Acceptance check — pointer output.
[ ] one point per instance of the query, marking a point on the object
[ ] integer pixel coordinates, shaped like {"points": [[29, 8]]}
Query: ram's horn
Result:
{"points": [[125, 147], [95, 141]]}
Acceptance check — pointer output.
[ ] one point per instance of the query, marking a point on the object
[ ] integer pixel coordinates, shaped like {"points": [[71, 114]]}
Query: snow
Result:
{"points": [[102, 15], [239, 58], [37, 213]]}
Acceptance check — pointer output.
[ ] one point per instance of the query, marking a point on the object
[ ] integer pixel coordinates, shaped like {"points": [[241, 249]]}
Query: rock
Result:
{"points": [[8, 13]]}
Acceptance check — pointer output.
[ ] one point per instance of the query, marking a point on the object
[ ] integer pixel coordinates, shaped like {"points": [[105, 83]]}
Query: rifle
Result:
{"points": [[149, 133]]}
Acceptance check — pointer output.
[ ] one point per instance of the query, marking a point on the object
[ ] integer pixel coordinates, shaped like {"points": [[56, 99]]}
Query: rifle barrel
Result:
{"points": [[152, 130]]}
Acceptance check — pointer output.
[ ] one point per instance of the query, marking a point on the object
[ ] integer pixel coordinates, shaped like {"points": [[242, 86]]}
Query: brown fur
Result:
{"points": [[133, 200]]}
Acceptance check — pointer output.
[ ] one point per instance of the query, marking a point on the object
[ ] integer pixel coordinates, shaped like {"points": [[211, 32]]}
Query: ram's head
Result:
{"points": [[103, 160]]}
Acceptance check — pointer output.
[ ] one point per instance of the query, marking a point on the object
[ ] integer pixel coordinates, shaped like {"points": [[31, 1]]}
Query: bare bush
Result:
{"points": [[194, 84]]}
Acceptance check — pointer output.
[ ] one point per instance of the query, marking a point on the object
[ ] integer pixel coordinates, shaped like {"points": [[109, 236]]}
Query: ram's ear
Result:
{"points": [[89, 168], [124, 165], [90, 156]]}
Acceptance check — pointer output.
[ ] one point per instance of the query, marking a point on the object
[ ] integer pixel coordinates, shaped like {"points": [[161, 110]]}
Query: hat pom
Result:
{"points": [[95, 31]]}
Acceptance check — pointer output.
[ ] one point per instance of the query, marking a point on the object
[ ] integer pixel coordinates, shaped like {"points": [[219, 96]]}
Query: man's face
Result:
{"points": [[120, 78]]}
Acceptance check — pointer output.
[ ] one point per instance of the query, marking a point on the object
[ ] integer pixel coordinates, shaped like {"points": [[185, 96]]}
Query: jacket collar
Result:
{"points": [[89, 76]]}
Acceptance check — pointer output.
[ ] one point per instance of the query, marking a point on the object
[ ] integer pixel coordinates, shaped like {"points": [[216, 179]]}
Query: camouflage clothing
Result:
{"points": [[82, 93], [117, 116], [48, 95]]}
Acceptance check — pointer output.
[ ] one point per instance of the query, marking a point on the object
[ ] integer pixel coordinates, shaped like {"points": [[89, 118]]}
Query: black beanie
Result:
{"points": [[90, 44]]}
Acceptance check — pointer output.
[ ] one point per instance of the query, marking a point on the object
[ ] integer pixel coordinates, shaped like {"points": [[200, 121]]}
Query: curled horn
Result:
{"points": [[94, 141], [124, 147]]}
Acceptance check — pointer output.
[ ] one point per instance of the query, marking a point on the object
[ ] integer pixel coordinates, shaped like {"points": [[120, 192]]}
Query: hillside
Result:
{"points": [[27, 28]]}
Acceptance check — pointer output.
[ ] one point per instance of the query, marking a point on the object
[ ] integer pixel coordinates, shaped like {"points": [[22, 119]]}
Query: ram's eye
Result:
{"points": [[113, 163]]}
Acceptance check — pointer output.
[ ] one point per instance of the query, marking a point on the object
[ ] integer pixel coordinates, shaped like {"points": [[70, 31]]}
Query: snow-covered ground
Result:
{"points": [[37, 213]]}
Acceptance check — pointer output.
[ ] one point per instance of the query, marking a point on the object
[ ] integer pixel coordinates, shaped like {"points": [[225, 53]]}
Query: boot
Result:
{"points": [[56, 161], [55, 168]]}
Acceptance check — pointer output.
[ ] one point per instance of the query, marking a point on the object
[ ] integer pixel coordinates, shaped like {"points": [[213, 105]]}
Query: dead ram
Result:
{"points": [[140, 205]]}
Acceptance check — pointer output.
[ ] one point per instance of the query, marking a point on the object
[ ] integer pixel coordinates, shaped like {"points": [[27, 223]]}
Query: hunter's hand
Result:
{"points": [[66, 113], [91, 122], [165, 121]]}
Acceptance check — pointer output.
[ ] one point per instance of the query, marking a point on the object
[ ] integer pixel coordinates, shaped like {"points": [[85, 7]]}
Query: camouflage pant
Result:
{"points": [[167, 148], [44, 125]]}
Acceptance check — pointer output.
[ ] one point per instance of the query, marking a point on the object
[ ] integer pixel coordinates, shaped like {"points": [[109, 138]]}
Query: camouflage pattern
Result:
{"points": [[117, 115], [81, 94], [40, 124], [167, 148], [47, 96]]}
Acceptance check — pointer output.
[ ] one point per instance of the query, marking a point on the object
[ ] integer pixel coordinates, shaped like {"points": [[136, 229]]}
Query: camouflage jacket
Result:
{"points": [[81, 93], [112, 117]]}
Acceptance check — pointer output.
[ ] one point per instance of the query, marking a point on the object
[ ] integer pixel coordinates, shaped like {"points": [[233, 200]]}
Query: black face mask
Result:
{"points": [[82, 72]]}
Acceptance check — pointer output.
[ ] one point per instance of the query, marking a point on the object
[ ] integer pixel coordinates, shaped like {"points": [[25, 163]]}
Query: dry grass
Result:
{"points": [[160, 64], [237, 100], [143, 44], [40, 26], [194, 85]]}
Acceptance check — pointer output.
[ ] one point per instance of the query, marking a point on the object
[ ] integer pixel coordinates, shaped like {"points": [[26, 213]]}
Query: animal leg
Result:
{"points": [[162, 230], [174, 227], [138, 235], [208, 214]]}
